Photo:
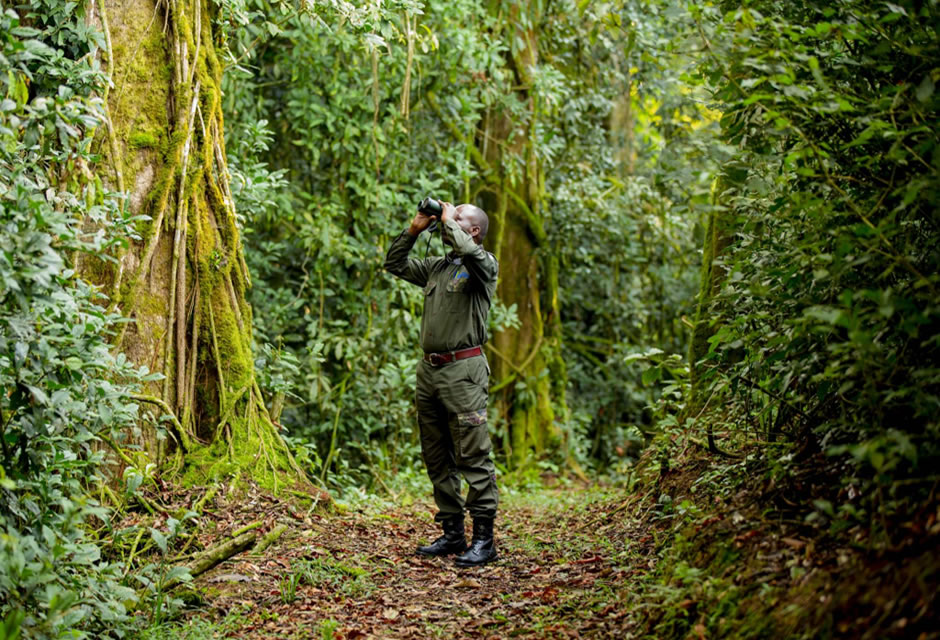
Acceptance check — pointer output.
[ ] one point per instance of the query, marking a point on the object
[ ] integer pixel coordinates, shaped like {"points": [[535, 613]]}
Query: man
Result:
{"points": [[453, 376]]}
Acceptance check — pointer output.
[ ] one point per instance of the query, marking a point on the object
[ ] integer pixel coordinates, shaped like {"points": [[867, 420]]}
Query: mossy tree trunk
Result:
{"points": [[529, 374], [183, 283]]}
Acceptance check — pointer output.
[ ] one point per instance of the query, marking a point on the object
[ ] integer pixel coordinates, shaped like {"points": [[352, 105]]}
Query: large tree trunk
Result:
{"points": [[183, 283], [531, 354]]}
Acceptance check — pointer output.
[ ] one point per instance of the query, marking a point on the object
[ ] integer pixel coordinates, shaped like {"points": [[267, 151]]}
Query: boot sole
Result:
{"points": [[437, 555], [475, 564]]}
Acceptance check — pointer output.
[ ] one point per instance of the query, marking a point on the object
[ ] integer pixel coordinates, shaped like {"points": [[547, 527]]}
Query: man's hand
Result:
{"points": [[449, 211], [419, 223]]}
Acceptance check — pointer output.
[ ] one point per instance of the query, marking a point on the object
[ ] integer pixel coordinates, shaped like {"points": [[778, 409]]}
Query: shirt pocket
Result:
{"points": [[457, 302]]}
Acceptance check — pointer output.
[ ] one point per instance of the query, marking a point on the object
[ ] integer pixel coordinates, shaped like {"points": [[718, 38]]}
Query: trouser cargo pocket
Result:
{"points": [[473, 435]]}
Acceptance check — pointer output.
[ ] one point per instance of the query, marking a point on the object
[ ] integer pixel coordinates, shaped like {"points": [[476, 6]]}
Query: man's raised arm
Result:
{"points": [[397, 261]]}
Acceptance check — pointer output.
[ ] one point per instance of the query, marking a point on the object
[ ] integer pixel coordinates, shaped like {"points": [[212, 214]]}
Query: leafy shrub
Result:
{"points": [[827, 319], [60, 398]]}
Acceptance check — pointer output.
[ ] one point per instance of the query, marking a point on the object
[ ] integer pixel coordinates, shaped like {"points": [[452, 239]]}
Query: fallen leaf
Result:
{"points": [[793, 542], [390, 614], [549, 594], [468, 583]]}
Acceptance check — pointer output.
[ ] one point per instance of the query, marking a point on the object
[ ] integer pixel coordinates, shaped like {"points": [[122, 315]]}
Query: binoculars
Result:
{"points": [[430, 207], [433, 209]]}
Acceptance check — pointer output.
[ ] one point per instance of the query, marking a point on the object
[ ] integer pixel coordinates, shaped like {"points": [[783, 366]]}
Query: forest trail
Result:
{"points": [[563, 570], [575, 561]]}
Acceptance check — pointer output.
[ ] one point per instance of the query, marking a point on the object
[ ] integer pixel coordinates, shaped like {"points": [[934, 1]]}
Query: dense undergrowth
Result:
{"points": [[818, 326], [329, 167], [64, 394]]}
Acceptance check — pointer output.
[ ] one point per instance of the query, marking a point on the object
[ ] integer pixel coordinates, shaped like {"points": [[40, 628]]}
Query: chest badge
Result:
{"points": [[459, 281]]}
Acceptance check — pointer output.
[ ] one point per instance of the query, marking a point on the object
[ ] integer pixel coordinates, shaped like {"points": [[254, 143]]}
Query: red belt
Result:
{"points": [[437, 359]]}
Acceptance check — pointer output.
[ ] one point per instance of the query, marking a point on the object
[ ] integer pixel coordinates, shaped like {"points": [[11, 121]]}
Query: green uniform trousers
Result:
{"points": [[451, 402]]}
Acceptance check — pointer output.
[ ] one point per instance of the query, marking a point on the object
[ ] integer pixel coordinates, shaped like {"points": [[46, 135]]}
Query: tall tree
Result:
{"points": [[183, 285], [528, 369]]}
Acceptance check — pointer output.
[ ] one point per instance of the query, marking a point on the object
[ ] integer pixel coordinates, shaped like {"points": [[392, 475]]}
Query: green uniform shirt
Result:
{"points": [[458, 289]]}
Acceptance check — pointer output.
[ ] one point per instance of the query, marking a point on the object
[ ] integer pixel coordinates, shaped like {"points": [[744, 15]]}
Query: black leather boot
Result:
{"points": [[482, 547], [453, 540]]}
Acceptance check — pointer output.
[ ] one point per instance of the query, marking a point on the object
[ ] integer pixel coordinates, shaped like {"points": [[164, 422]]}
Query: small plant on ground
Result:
{"points": [[328, 629], [346, 579], [289, 584]]}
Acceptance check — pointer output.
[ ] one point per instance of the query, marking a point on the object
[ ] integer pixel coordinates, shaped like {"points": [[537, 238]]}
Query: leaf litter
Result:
{"points": [[355, 574]]}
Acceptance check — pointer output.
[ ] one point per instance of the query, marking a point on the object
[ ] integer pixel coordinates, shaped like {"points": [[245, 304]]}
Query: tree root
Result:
{"points": [[197, 316], [215, 352], [118, 450], [184, 440], [234, 300], [247, 528], [178, 271], [206, 497], [213, 556], [130, 558], [182, 554], [269, 538], [230, 410]]}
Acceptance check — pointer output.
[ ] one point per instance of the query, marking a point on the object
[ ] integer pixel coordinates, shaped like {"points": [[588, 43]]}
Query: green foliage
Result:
{"points": [[156, 577], [625, 216], [197, 629], [328, 166], [64, 391], [827, 322], [326, 573], [355, 168], [328, 628], [288, 586]]}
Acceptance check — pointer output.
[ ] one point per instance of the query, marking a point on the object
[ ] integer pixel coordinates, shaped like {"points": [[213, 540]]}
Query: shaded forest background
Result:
{"points": [[594, 186], [717, 225]]}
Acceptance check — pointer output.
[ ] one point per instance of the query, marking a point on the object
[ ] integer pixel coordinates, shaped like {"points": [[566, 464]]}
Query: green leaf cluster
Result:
{"points": [[827, 324], [626, 206], [336, 131], [64, 392]]}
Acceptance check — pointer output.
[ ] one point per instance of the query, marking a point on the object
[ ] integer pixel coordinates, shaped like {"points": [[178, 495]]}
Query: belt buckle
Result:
{"points": [[437, 359]]}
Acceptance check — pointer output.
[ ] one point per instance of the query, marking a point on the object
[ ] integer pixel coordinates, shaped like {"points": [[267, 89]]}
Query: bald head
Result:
{"points": [[473, 220]]}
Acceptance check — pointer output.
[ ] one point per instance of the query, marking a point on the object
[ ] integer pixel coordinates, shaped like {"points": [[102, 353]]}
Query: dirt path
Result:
{"points": [[563, 568]]}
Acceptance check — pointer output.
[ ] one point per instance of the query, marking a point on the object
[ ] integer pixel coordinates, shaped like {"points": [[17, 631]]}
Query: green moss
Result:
{"points": [[238, 366], [193, 181], [185, 28], [204, 247], [143, 140], [97, 271], [142, 80], [256, 452]]}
